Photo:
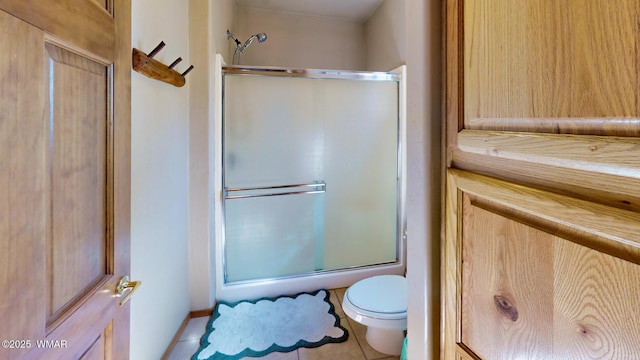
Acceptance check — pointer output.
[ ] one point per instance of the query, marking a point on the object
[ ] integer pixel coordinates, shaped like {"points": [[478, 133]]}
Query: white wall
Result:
{"points": [[386, 36], [424, 95], [159, 181], [300, 41], [208, 23], [295, 43]]}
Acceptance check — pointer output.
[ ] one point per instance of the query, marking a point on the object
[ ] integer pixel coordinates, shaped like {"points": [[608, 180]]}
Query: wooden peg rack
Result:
{"points": [[147, 65]]}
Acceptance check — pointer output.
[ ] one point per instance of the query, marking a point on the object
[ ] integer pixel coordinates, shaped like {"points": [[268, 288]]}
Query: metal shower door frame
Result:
{"points": [[319, 186]]}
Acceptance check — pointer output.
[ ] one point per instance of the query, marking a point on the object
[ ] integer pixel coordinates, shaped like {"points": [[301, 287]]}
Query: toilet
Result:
{"points": [[380, 303]]}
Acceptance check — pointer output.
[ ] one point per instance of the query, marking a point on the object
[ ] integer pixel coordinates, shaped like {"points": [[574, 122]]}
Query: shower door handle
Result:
{"points": [[278, 190]]}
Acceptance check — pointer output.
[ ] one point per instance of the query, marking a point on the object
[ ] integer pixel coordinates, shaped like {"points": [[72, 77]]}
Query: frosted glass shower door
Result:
{"points": [[361, 168], [273, 177], [310, 174], [274, 236]]}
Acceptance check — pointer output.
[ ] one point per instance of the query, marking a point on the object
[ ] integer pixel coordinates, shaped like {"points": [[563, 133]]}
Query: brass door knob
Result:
{"points": [[122, 287]]}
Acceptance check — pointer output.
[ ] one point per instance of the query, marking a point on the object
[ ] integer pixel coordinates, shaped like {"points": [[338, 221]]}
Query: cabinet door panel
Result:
{"points": [[544, 95], [507, 294], [519, 55], [597, 307], [536, 275]]}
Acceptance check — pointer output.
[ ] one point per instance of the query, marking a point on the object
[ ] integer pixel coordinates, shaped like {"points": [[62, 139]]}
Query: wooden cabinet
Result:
{"points": [[535, 275], [541, 251], [550, 65]]}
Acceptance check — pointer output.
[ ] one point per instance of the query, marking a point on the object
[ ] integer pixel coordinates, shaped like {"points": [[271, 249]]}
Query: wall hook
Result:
{"points": [[175, 63], [147, 65]]}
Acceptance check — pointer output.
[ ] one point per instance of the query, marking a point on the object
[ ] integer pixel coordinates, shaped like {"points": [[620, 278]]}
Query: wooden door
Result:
{"points": [[541, 259], [64, 178]]}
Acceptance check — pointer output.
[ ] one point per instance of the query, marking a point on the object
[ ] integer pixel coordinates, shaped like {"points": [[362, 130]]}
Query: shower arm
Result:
{"points": [[238, 46], [238, 43]]}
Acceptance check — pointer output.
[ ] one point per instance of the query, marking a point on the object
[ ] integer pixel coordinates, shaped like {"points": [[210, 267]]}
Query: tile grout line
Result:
{"points": [[353, 332], [357, 340]]}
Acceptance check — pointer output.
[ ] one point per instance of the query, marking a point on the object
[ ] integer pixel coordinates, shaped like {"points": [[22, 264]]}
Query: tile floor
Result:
{"points": [[355, 348]]}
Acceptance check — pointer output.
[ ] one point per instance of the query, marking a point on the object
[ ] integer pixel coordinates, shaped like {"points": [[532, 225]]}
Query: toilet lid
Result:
{"points": [[382, 294]]}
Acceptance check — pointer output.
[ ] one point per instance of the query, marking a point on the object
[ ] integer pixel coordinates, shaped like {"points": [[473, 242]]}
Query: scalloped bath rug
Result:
{"points": [[257, 328]]}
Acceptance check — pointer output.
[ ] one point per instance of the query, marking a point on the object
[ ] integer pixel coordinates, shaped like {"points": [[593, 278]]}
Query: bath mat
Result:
{"points": [[257, 328]]}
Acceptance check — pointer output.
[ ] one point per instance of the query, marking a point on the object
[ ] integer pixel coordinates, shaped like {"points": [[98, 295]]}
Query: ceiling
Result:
{"points": [[348, 9]]}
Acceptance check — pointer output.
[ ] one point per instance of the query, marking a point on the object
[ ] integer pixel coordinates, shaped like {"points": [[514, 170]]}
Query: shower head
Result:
{"points": [[240, 48], [262, 37]]}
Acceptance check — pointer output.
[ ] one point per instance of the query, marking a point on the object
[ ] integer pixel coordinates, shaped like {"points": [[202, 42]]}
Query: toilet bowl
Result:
{"points": [[380, 303]]}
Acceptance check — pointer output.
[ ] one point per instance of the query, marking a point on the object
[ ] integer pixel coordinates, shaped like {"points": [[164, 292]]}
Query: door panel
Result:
{"points": [[595, 315], [507, 286], [546, 93], [96, 351], [23, 184], [78, 122], [87, 27], [518, 59], [544, 96], [536, 275], [64, 175]]}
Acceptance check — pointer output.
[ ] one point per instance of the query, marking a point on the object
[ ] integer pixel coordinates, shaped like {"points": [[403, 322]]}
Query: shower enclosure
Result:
{"points": [[311, 187]]}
